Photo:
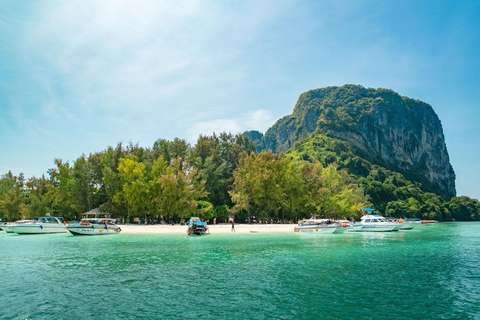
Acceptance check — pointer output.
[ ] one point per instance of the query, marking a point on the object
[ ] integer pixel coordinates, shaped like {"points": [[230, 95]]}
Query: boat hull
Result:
{"points": [[318, 229], [398, 227], [408, 226], [197, 231], [7, 229], [428, 222], [92, 230], [38, 229], [372, 228]]}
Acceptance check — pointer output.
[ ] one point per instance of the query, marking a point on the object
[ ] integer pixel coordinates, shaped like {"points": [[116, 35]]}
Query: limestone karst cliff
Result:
{"points": [[396, 132]]}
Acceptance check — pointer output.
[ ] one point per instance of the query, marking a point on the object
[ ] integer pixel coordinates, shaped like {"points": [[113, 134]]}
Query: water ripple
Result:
{"points": [[428, 273]]}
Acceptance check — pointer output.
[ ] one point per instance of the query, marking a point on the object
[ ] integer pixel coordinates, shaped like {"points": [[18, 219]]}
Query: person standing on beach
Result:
{"points": [[233, 226]]}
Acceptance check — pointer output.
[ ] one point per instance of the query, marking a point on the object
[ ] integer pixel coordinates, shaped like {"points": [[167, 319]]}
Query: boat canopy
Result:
{"points": [[369, 209], [372, 216], [197, 222], [412, 219]]}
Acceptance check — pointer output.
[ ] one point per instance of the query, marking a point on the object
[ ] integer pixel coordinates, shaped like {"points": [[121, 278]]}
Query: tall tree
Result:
{"points": [[110, 181], [83, 185], [37, 201], [12, 204], [61, 190], [155, 189], [182, 186], [134, 187]]}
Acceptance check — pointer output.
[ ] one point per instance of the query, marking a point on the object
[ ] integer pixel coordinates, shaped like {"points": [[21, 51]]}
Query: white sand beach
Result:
{"points": [[214, 229]]}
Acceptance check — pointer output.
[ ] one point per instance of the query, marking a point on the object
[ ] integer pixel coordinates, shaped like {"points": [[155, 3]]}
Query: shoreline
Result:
{"points": [[214, 229]]}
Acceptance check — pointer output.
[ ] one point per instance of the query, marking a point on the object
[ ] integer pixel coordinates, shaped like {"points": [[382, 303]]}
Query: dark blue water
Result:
{"points": [[431, 272]]}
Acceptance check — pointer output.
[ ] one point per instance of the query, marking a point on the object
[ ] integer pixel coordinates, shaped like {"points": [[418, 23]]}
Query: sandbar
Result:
{"points": [[214, 229]]}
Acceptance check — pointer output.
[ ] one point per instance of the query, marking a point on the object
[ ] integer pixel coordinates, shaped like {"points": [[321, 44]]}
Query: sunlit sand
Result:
{"points": [[214, 229]]}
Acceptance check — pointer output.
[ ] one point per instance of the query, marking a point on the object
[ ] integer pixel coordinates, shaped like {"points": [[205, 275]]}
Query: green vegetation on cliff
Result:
{"points": [[395, 132], [386, 190]]}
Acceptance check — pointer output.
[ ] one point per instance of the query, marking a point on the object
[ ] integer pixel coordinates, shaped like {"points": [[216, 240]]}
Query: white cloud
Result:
{"points": [[259, 120], [252, 120]]}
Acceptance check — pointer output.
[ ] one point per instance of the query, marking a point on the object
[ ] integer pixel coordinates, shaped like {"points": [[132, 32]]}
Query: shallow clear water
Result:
{"points": [[431, 272]]}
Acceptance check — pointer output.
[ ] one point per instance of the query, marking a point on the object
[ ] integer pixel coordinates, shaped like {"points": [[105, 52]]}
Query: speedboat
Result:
{"points": [[428, 222], [40, 225], [196, 227], [94, 226], [319, 226], [6, 226], [372, 221], [410, 223]]}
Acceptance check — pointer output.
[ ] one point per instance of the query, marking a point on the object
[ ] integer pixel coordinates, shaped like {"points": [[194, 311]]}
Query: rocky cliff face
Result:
{"points": [[393, 131]]}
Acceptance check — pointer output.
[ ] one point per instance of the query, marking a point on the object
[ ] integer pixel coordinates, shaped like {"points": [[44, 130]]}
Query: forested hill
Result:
{"points": [[379, 126]]}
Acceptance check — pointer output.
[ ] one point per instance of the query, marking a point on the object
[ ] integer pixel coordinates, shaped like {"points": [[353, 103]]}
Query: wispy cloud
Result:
{"points": [[259, 120], [148, 61]]}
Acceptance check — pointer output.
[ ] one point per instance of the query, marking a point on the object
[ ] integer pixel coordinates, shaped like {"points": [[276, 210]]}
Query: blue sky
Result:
{"points": [[79, 76]]}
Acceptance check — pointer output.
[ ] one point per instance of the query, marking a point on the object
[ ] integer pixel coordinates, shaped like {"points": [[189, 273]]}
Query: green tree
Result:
{"points": [[83, 185], [464, 208], [134, 186], [37, 201], [182, 186], [179, 148], [247, 184], [155, 189], [110, 184], [7, 182], [12, 204], [204, 210], [61, 190]]}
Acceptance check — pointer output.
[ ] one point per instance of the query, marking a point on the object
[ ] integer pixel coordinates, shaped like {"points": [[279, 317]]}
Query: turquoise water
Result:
{"points": [[431, 272]]}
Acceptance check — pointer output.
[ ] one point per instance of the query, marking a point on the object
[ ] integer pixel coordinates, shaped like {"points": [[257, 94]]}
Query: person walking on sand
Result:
{"points": [[233, 226]]}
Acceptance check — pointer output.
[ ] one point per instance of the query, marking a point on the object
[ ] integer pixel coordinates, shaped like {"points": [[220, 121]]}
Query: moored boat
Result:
{"points": [[94, 226], [346, 225], [404, 224], [196, 227], [6, 226], [372, 221], [40, 225], [317, 226], [410, 223], [428, 222]]}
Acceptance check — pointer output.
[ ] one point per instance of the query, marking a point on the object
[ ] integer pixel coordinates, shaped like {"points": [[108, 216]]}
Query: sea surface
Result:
{"points": [[431, 272]]}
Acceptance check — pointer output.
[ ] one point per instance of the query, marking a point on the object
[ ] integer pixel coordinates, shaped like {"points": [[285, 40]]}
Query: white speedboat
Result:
{"points": [[94, 226], [318, 226], [40, 225], [6, 226], [372, 221]]}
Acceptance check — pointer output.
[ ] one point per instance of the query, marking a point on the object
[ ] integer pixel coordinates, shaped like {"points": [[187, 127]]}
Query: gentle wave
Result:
{"points": [[429, 272]]}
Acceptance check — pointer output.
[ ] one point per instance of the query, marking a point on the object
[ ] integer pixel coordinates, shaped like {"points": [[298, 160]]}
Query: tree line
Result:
{"points": [[219, 176]]}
